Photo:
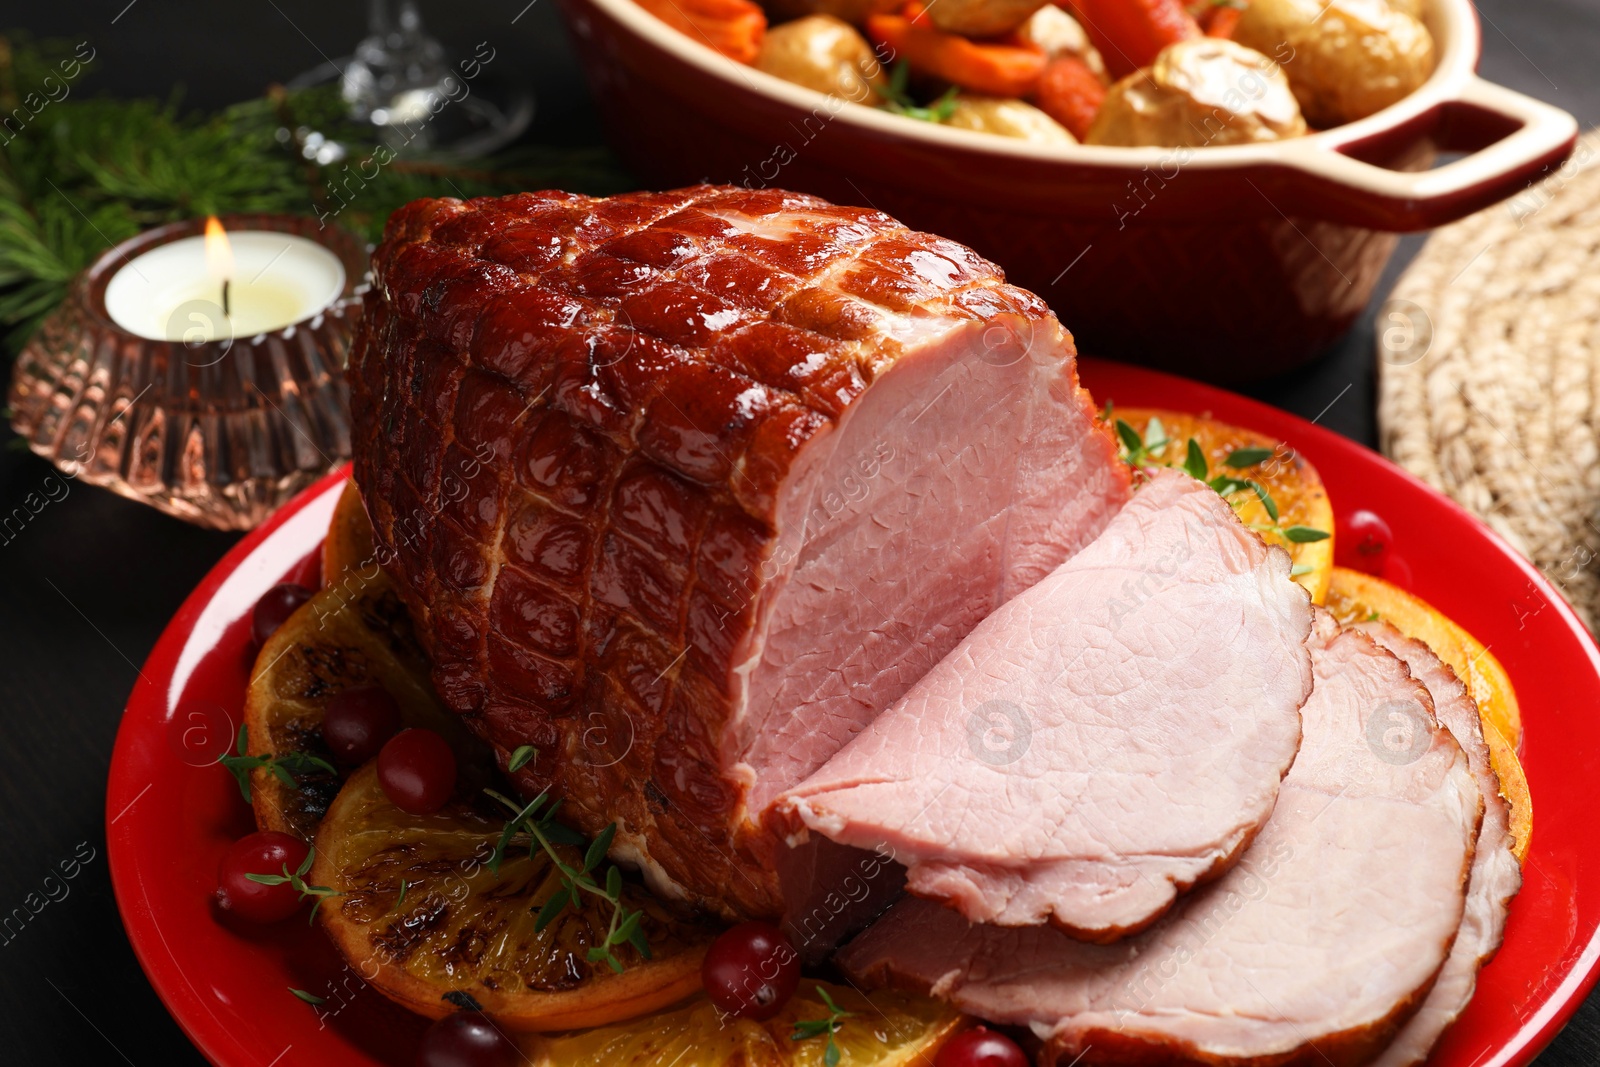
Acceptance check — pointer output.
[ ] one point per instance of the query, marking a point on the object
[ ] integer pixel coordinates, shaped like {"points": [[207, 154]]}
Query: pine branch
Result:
{"points": [[87, 172]]}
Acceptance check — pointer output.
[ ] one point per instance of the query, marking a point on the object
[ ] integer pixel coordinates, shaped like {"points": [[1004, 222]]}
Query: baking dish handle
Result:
{"points": [[1513, 138]]}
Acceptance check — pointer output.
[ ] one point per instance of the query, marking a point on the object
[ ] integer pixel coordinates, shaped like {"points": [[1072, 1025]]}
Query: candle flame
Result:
{"points": [[219, 253]]}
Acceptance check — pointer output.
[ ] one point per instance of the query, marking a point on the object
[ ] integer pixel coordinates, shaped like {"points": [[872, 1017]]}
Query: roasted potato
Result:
{"points": [[981, 18], [1008, 118], [1056, 33], [1204, 91], [826, 54], [1345, 58]]}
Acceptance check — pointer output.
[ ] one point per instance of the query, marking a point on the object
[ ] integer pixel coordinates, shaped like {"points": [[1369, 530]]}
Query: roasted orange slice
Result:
{"points": [[1230, 456], [889, 1029], [1356, 597], [348, 549], [354, 632], [428, 919]]}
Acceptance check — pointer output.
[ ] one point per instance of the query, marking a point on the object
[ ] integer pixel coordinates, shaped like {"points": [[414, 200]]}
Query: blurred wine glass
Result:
{"points": [[400, 82]]}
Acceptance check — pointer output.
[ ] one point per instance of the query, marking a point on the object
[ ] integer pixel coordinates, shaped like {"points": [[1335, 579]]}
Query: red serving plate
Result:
{"points": [[171, 812]]}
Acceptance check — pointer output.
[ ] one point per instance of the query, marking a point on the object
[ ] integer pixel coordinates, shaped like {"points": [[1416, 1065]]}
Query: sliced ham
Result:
{"points": [[683, 488], [1496, 876], [1103, 741], [1315, 949]]}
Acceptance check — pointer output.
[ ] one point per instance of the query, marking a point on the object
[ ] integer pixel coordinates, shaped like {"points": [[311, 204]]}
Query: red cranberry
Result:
{"points": [[466, 1039], [275, 607], [1367, 541], [268, 852], [358, 721], [309, 572], [751, 971], [980, 1047], [417, 771]]}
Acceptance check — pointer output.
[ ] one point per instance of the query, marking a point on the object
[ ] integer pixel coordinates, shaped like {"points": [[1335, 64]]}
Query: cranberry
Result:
{"points": [[357, 722], [267, 852], [275, 607], [1369, 541], [417, 771], [751, 971], [309, 571], [980, 1047], [466, 1039]]}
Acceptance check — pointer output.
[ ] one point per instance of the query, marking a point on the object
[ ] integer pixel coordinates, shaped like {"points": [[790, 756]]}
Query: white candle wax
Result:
{"points": [[168, 294]]}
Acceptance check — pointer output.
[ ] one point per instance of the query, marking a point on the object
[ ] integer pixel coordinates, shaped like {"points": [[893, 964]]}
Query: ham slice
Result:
{"points": [[684, 488], [1496, 876], [1315, 949], [1103, 741]]}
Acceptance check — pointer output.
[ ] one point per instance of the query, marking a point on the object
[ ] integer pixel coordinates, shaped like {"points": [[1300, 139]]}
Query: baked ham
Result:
{"points": [[1315, 949], [684, 488], [1101, 742], [1496, 876]]}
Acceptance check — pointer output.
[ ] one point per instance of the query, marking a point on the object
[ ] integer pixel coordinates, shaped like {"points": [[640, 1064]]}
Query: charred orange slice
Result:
{"points": [[1229, 456], [887, 1029], [349, 548], [354, 632], [428, 920], [1356, 597]]}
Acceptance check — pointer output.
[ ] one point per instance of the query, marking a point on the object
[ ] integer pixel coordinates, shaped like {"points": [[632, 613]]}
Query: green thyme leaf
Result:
{"points": [[552, 907], [1241, 458], [599, 847], [1130, 437], [1155, 435], [1301, 535], [309, 998], [805, 1029], [1265, 497], [1195, 461], [520, 758]]}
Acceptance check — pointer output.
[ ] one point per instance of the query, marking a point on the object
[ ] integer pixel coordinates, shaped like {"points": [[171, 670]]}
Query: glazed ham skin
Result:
{"points": [[1315, 949], [1101, 742], [684, 488], [1496, 876]]}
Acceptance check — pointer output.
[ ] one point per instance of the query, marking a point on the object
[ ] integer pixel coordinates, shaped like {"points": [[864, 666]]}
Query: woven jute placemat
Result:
{"points": [[1489, 371]]}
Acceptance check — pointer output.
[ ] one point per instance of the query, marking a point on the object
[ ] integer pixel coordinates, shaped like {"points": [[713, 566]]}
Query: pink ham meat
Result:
{"points": [[1496, 877], [1100, 743], [1314, 950], [683, 488]]}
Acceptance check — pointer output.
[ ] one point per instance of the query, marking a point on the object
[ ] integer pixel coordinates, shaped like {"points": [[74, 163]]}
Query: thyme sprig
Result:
{"points": [[897, 97], [1145, 451], [805, 1029], [545, 833], [297, 881], [284, 767]]}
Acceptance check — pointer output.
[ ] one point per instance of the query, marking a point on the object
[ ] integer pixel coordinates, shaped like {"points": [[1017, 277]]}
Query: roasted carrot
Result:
{"points": [[996, 69], [733, 27], [1071, 93], [1221, 18], [1131, 33]]}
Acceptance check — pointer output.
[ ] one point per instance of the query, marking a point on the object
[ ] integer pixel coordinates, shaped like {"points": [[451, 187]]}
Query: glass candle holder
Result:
{"points": [[216, 429]]}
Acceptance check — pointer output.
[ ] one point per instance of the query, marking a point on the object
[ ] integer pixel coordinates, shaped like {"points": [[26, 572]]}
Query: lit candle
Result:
{"points": [[220, 286]]}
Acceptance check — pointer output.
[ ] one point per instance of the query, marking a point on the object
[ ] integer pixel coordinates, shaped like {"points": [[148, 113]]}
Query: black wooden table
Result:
{"points": [[86, 588]]}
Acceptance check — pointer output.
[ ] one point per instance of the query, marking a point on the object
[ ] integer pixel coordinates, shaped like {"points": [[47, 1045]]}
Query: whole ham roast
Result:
{"points": [[684, 488]]}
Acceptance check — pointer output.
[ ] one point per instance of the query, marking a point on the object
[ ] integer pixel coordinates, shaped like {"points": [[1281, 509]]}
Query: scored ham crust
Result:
{"points": [[683, 488], [1315, 949], [1100, 743]]}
